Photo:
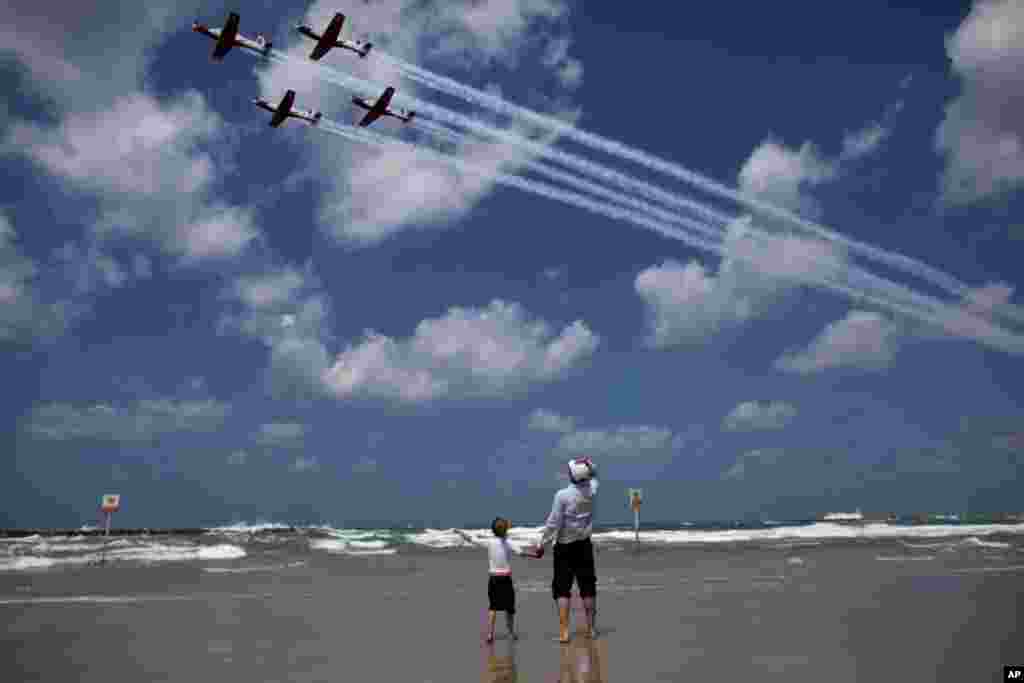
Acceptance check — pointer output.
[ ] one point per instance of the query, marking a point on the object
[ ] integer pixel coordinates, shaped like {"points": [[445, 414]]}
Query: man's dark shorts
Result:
{"points": [[574, 561], [501, 594]]}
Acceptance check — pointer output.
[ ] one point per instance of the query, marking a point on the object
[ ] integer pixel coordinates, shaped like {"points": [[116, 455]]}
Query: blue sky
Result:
{"points": [[225, 322]]}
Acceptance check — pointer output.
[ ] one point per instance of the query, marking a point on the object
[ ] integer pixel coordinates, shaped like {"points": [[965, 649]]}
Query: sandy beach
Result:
{"points": [[847, 612]]}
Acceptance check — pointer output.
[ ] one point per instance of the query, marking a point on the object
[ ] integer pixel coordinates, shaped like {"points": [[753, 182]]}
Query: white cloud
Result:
{"points": [[780, 175], [685, 303], [568, 69], [982, 135], [238, 458], [271, 288], [305, 464], [760, 456], [71, 69], [626, 440], [758, 415], [468, 351], [281, 435], [864, 142], [142, 159], [39, 301], [546, 421], [136, 421], [285, 309], [372, 194], [862, 339]]}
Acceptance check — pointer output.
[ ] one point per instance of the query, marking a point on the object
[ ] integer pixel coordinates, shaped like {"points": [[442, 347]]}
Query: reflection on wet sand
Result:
{"points": [[500, 663], [584, 660]]}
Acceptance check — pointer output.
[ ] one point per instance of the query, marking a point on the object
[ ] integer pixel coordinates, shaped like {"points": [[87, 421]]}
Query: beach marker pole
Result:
{"points": [[109, 504]]}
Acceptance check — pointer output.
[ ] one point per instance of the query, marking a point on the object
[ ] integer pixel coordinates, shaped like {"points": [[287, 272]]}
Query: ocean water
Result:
{"points": [[216, 546]]}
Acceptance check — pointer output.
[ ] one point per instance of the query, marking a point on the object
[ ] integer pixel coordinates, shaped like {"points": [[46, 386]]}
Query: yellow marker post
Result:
{"points": [[636, 497]]}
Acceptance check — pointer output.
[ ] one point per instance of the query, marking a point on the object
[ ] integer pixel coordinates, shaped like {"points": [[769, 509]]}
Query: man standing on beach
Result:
{"points": [[569, 525]]}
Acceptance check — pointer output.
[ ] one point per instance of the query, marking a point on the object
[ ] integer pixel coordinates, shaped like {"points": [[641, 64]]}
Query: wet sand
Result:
{"points": [[835, 613]]}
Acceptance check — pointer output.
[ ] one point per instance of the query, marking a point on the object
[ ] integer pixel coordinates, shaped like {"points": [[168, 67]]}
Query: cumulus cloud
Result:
{"points": [[40, 300], [626, 440], [137, 421], [759, 415], [286, 309], [362, 204], [468, 351], [142, 159], [305, 464], [982, 134], [281, 435], [685, 303], [72, 70], [547, 421], [568, 69], [862, 339], [786, 176], [864, 142], [781, 175], [756, 457]]}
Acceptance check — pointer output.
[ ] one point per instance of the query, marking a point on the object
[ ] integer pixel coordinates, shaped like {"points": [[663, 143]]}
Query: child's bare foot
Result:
{"points": [[490, 638]]}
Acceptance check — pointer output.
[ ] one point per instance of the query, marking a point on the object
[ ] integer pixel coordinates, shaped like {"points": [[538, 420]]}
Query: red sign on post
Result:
{"points": [[110, 503]]}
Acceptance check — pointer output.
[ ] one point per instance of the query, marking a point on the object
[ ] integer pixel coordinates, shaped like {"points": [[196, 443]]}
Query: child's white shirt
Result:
{"points": [[498, 554]]}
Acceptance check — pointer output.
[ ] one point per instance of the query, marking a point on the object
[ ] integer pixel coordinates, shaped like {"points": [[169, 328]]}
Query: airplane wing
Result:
{"points": [[379, 108], [283, 109], [329, 38], [226, 40], [320, 50], [370, 117]]}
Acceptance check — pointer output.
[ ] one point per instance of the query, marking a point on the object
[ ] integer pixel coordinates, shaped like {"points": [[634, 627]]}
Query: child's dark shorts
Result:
{"points": [[501, 594]]}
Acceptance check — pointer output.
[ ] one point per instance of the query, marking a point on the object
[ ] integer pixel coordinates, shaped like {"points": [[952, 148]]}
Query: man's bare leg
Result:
{"points": [[590, 608], [563, 620]]}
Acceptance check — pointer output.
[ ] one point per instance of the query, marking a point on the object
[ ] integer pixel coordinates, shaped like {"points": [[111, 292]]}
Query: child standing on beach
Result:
{"points": [[501, 592]]}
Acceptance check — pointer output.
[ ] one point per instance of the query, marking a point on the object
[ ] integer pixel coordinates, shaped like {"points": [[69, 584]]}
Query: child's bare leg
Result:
{"points": [[510, 621], [491, 616]]}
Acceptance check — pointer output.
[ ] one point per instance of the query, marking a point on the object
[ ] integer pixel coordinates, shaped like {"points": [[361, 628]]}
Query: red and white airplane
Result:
{"points": [[331, 38], [380, 108], [229, 37], [283, 111]]}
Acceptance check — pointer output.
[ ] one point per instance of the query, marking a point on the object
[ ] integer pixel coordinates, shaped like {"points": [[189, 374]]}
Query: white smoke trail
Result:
{"points": [[866, 278], [532, 186], [980, 330], [587, 186], [613, 148], [920, 307], [487, 131]]}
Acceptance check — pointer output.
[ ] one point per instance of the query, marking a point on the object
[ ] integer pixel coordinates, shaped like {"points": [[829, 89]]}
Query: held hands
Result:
{"points": [[535, 551]]}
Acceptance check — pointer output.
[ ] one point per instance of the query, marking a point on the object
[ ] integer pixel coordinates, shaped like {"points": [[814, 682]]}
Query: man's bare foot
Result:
{"points": [[513, 635]]}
